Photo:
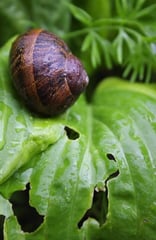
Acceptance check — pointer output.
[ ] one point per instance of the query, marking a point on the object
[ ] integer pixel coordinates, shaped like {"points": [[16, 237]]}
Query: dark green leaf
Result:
{"points": [[80, 14]]}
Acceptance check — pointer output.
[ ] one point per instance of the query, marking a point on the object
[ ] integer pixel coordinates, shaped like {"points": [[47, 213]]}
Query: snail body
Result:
{"points": [[45, 73]]}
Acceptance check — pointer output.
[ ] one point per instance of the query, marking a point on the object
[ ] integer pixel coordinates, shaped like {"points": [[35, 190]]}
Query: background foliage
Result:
{"points": [[90, 173]]}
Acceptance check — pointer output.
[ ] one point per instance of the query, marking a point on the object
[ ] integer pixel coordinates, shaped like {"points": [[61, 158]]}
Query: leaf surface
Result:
{"points": [[91, 171]]}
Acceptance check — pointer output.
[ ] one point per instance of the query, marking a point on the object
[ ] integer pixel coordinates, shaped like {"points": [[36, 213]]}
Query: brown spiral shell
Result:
{"points": [[45, 73]]}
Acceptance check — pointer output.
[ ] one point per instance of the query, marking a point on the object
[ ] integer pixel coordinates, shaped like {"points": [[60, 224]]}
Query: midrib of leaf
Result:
{"points": [[6, 111], [5, 114], [86, 156], [89, 126]]}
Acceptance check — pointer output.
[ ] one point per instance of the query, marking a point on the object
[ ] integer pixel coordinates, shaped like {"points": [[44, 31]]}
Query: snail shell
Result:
{"points": [[45, 73]]}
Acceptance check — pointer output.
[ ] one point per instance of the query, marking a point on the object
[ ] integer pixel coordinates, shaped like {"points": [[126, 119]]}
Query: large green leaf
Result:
{"points": [[91, 171]]}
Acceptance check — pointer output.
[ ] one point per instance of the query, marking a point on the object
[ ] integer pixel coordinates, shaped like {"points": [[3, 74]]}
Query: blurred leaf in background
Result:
{"points": [[20, 15], [122, 36]]}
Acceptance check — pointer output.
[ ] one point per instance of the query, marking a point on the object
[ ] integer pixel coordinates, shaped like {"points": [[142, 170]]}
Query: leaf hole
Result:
{"points": [[113, 175], [99, 208], [111, 157], [2, 218], [27, 216], [71, 133]]}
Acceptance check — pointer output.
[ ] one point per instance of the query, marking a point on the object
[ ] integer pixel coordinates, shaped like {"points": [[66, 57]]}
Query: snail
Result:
{"points": [[45, 73]]}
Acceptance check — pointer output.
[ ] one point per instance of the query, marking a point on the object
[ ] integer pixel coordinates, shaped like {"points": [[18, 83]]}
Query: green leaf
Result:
{"points": [[16, 182], [5, 207], [130, 114], [147, 11], [95, 53], [129, 29], [80, 14], [19, 16], [12, 23], [49, 14], [12, 229], [87, 42], [91, 171], [120, 124]]}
